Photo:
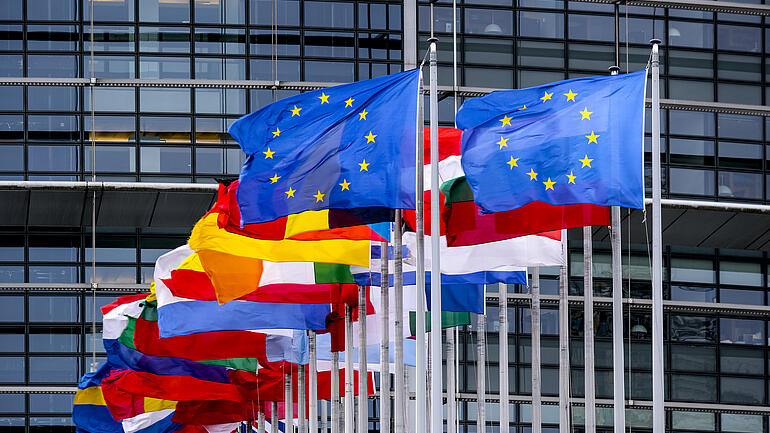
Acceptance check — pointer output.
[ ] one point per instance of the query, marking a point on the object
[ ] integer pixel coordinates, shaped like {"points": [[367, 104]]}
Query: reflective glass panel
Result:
{"points": [[740, 273], [693, 328], [61, 10], [164, 11], [693, 358], [12, 403], [691, 123], [220, 41], [164, 67], [11, 99], [111, 66], [54, 340], [693, 152], [50, 403], [742, 390], [110, 38], [55, 98], [50, 369], [11, 10], [11, 65], [164, 39], [742, 360], [541, 24], [691, 63], [53, 158], [687, 181], [164, 100], [693, 388], [739, 38], [112, 158], [54, 308], [286, 42], [111, 99], [120, 10], [591, 27], [220, 11], [737, 296], [12, 307], [12, 369], [260, 12], [220, 101], [734, 422], [220, 69], [740, 185], [488, 22], [742, 331], [53, 274], [165, 159], [52, 38], [52, 65], [690, 34], [11, 158], [112, 274], [53, 128]]}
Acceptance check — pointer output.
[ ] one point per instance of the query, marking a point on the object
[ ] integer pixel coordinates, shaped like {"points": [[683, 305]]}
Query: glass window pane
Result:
{"points": [[735, 67], [11, 403], [691, 63], [742, 331], [488, 51], [260, 12], [61, 10], [53, 274], [54, 340], [11, 65], [12, 308], [286, 42], [739, 38], [693, 388], [690, 34], [112, 274], [329, 14], [49, 248], [591, 27], [165, 159], [50, 369], [109, 11], [692, 270], [484, 77], [329, 71], [742, 360], [742, 390], [740, 273], [111, 99], [220, 12], [164, 11], [53, 158], [11, 127], [58, 98], [740, 155], [164, 129], [120, 159], [691, 89], [11, 158], [590, 57], [262, 69], [220, 101], [693, 358], [739, 94], [111, 66], [12, 369], [687, 181], [220, 69], [53, 128], [541, 24], [693, 328], [221, 41], [544, 54], [164, 67], [164, 100], [51, 403], [691, 123], [693, 420], [54, 308], [11, 99], [693, 152], [52, 65], [52, 37], [640, 30], [164, 39], [739, 126], [114, 128], [11, 10], [740, 185], [110, 38], [737, 296], [734, 422]]}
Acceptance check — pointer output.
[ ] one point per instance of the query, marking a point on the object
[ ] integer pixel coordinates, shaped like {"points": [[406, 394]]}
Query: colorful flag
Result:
{"points": [[577, 141], [89, 412], [343, 147], [464, 223]]}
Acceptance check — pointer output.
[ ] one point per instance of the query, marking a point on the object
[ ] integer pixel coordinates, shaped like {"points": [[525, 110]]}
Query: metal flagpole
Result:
{"points": [[450, 384], [385, 340], [436, 399], [288, 404], [399, 404], [420, 376], [324, 417], [313, 385], [618, 366], [261, 422], [503, 350], [564, 370], [363, 394], [335, 401], [481, 376], [588, 331], [274, 417], [349, 416], [537, 401], [658, 412], [301, 420]]}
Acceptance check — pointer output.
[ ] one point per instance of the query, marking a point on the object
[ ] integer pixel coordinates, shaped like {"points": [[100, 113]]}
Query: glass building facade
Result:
{"points": [[148, 124]]}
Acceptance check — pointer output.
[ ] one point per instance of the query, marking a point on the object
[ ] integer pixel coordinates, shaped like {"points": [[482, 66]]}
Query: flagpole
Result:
{"points": [[302, 421], [313, 386], [288, 404], [481, 378], [658, 411], [564, 370], [363, 392], [274, 417], [503, 350], [399, 404], [324, 417], [588, 332], [349, 416], [261, 422], [450, 384], [335, 385], [618, 363], [437, 422], [384, 340], [420, 400], [537, 401]]}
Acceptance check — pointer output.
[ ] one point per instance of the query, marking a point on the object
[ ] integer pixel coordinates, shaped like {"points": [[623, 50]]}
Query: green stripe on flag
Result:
{"points": [[127, 336], [456, 190], [330, 273], [150, 312], [449, 319], [245, 364]]}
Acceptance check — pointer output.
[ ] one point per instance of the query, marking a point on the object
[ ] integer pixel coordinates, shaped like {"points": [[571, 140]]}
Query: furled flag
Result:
{"points": [[570, 142], [348, 146], [464, 223]]}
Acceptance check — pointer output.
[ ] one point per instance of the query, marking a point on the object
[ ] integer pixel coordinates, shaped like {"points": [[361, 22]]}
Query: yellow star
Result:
{"points": [[319, 196], [523, 108], [592, 138], [549, 184], [362, 115], [586, 114], [364, 165], [546, 97], [324, 98], [514, 162], [277, 132], [586, 161], [370, 138], [295, 111], [571, 177], [503, 142], [506, 120], [290, 192], [275, 178], [532, 174], [570, 96], [349, 102], [345, 185], [269, 153]]}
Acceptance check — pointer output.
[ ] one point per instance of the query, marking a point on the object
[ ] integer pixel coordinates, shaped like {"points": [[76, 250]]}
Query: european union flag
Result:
{"points": [[571, 142], [348, 146]]}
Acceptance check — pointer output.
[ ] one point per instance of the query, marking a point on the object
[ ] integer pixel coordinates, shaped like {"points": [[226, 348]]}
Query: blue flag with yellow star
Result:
{"points": [[577, 141], [343, 147]]}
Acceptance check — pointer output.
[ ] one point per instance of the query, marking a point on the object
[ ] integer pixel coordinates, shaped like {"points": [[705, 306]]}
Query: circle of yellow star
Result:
{"points": [[506, 120], [295, 111], [269, 153], [586, 114], [277, 132], [586, 161], [592, 138], [571, 177], [532, 174], [514, 162], [546, 97], [324, 98], [362, 115], [370, 138], [345, 185], [548, 184], [275, 178], [349, 102], [290, 192], [570, 96], [503, 142], [319, 196], [364, 165]]}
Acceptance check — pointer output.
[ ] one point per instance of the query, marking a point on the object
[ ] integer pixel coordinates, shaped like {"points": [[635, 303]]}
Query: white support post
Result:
{"points": [[288, 403], [274, 417], [335, 401], [588, 331], [564, 370], [261, 421], [349, 393], [451, 400], [503, 350], [301, 419], [421, 373], [481, 373], [658, 411], [363, 392], [537, 401], [399, 384], [324, 417], [313, 384], [385, 340]]}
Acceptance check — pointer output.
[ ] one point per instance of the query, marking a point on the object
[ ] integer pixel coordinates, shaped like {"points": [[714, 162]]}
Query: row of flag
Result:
{"points": [[287, 247]]}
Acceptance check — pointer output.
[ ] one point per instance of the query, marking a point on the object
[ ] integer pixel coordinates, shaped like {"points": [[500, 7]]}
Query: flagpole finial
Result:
{"points": [[614, 69], [655, 41], [432, 40]]}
